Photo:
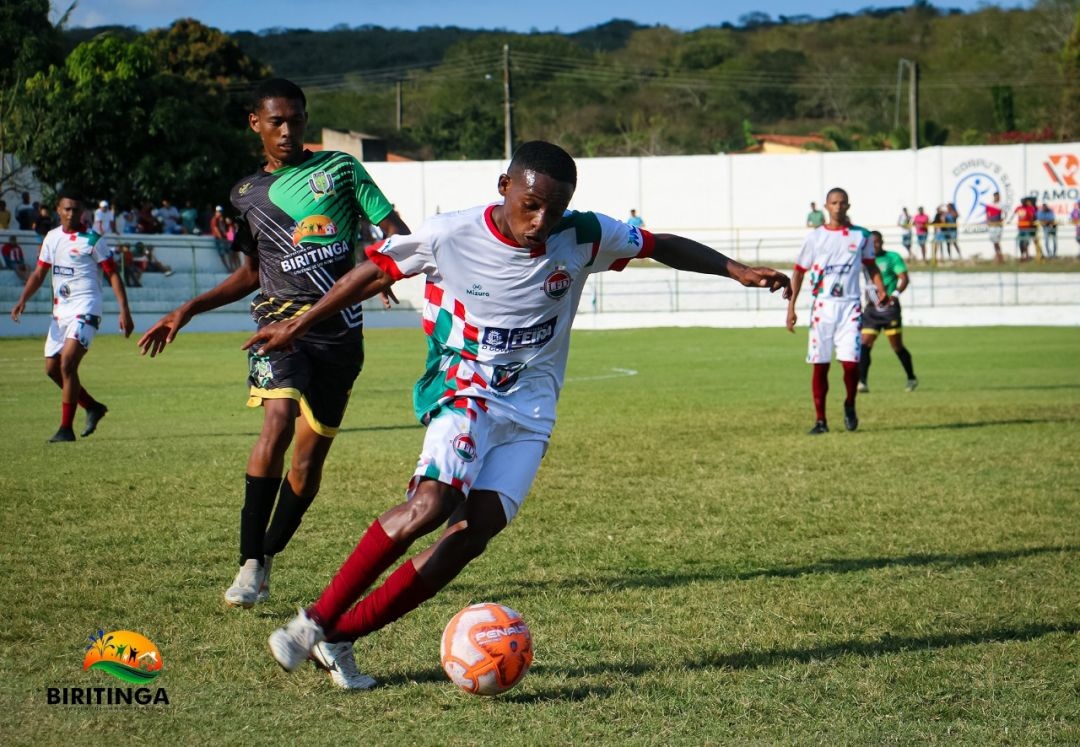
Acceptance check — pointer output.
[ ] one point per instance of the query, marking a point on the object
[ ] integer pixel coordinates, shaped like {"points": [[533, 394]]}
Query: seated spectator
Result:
{"points": [[131, 272], [169, 217], [104, 221], [26, 213], [189, 218], [43, 222], [145, 221], [5, 216], [14, 259], [153, 264]]}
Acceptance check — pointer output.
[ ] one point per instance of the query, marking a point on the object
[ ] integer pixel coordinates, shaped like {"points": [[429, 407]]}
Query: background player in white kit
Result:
{"points": [[835, 255], [503, 285], [75, 257]]}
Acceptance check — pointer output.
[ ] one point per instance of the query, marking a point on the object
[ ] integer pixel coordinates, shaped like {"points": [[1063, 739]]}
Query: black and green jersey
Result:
{"points": [[302, 223]]}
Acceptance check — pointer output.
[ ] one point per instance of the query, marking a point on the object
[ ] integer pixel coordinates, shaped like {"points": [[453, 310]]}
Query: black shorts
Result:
{"points": [[887, 320], [316, 373]]}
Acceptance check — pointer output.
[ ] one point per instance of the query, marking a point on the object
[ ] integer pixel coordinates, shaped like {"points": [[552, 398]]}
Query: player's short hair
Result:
{"points": [[841, 190], [69, 194], [544, 158], [276, 88], [878, 234]]}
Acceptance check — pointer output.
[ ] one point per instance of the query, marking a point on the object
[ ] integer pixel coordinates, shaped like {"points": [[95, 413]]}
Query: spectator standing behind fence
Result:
{"points": [[1025, 226], [1048, 220], [635, 220], [994, 223], [5, 216], [1075, 217], [920, 222], [14, 259], [25, 213], [904, 221], [189, 218], [952, 230], [937, 248], [815, 217], [219, 229], [104, 220], [44, 222]]}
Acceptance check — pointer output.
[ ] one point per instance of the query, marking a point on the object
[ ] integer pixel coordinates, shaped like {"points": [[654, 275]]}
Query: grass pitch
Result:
{"points": [[694, 568]]}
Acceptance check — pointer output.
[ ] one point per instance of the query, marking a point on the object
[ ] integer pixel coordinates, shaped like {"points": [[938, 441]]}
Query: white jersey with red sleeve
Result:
{"points": [[498, 315], [834, 259], [75, 260]]}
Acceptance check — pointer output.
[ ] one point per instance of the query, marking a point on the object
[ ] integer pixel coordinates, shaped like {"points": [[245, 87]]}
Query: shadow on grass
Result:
{"points": [[974, 424], [248, 432], [645, 579], [568, 693]]}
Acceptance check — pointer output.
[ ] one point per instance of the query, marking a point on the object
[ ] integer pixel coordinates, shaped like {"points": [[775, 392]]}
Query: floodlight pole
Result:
{"points": [[398, 106], [913, 99], [508, 117]]}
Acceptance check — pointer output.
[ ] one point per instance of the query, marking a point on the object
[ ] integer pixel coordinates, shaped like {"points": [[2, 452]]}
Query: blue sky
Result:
{"points": [[549, 15]]}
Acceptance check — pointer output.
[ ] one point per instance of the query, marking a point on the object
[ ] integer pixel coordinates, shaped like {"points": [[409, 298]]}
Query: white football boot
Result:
{"points": [[292, 644], [264, 587], [338, 660], [244, 591]]}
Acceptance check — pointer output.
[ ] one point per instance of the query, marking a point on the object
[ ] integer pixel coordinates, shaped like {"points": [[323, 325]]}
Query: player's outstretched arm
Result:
{"points": [[242, 282], [390, 225], [686, 254], [37, 277], [127, 324], [358, 284]]}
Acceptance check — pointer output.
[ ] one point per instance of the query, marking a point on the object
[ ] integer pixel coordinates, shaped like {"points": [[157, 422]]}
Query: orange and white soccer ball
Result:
{"points": [[486, 649]]}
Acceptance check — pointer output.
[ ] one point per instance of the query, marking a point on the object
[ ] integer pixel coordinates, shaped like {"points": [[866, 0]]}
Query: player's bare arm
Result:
{"points": [[127, 324], [884, 299], [391, 225], [681, 253], [242, 282], [33, 282], [901, 282], [359, 284], [797, 276]]}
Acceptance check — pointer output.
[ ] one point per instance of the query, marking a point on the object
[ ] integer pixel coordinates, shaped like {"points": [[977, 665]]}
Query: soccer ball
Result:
{"points": [[486, 649]]}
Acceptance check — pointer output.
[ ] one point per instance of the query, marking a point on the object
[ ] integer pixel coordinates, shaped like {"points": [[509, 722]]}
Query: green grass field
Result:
{"points": [[694, 568]]}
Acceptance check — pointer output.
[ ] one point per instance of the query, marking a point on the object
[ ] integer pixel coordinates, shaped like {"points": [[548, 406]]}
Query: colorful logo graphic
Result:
{"points": [[321, 183], [313, 225], [557, 283], [464, 447], [126, 655], [1064, 169], [262, 372]]}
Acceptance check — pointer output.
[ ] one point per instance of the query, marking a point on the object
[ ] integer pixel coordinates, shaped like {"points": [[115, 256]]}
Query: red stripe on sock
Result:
{"points": [[373, 554], [67, 414]]}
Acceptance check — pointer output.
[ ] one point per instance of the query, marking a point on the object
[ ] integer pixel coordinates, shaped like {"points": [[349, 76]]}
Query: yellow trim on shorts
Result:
{"points": [[867, 331], [258, 395], [894, 331]]}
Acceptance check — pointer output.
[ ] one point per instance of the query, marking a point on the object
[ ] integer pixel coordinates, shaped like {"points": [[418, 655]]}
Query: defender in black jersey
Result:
{"points": [[298, 225]]}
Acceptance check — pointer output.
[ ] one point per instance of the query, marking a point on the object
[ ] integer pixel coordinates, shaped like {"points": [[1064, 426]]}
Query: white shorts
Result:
{"points": [[81, 327], [835, 326], [994, 232], [476, 450]]}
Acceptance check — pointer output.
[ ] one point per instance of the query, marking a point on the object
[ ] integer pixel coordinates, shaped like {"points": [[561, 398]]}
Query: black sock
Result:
{"points": [[287, 517], [864, 364], [905, 361], [259, 494]]}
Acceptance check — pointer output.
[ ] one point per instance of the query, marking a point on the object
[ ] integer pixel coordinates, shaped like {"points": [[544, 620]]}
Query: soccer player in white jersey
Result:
{"points": [[503, 285], [76, 259], [835, 254]]}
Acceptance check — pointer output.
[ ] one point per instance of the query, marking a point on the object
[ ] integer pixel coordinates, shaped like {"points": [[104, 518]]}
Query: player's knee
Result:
{"points": [[69, 366], [429, 508], [468, 543]]}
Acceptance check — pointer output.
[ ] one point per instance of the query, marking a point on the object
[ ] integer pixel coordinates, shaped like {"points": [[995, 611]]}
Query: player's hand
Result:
{"points": [[127, 324], [388, 298], [17, 311], [276, 336], [792, 318], [767, 277], [884, 301], [163, 332]]}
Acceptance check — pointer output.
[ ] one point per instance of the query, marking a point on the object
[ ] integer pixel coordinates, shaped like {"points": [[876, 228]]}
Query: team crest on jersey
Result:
{"points": [[244, 189], [313, 225], [64, 291], [321, 183], [557, 283], [464, 447]]}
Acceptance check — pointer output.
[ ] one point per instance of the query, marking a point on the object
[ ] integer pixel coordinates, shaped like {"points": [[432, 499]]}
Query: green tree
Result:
{"points": [[1070, 93], [114, 121]]}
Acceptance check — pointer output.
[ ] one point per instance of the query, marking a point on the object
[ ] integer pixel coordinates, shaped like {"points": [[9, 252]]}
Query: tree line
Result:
{"points": [[134, 116]]}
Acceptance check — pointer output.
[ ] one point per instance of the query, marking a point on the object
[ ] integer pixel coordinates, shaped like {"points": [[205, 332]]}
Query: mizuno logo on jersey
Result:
{"points": [[308, 258], [502, 340]]}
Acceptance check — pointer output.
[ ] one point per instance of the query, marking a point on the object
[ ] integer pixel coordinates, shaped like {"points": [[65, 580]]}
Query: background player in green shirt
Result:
{"points": [[894, 274], [298, 227]]}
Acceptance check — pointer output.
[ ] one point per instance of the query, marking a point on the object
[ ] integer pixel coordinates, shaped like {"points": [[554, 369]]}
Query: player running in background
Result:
{"points": [[75, 258], [833, 254], [299, 217], [904, 221], [496, 361], [877, 318]]}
